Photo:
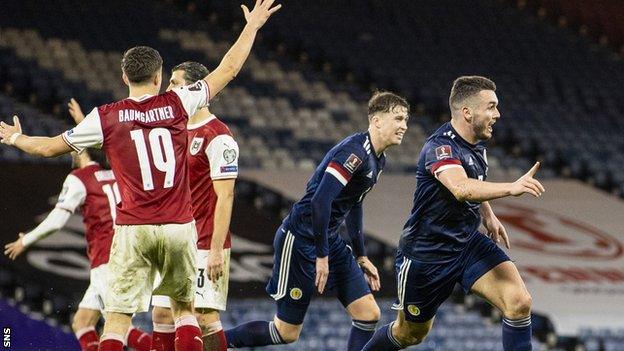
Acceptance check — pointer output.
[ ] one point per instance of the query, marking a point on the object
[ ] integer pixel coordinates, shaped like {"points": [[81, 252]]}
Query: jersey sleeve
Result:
{"points": [[441, 154], [87, 133], [73, 194], [194, 96], [348, 160], [222, 153]]}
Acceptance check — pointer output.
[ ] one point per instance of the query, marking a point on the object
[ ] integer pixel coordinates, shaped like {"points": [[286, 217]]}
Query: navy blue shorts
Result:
{"points": [[294, 271], [424, 286]]}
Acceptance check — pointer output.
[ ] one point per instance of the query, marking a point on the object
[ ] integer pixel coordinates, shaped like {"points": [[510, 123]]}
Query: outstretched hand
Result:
{"points": [[495, 230], [7, 130], [370, 272], [260, 13], [14, 249], [322, 271], [527, 184], [75, 111]]}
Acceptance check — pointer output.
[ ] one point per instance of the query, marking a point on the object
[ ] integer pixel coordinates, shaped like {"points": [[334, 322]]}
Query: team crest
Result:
{"points": [[443, 152], [352, 163], [413, 310], [229, 155], [296, 293], [196, 145]]}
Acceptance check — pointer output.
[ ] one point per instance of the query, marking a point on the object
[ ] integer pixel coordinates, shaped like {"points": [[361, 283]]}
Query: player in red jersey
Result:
{"points": [[145, 140], [213, 168], [91, 189]]}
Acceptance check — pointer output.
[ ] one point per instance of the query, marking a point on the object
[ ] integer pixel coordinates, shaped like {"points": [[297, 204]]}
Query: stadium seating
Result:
{"points": [[559, 94]]}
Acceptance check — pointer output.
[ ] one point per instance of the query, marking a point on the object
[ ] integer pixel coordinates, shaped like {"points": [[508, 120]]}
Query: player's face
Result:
{"points": [[393, 125], [484, 114], [177, 80]]}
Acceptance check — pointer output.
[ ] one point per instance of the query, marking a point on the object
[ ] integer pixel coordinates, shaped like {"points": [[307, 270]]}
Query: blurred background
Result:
{"points": [[559, 68]]}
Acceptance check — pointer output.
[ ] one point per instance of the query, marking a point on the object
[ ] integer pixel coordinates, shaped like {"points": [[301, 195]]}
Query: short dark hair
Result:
{"points": [[468, 86], [385, 101], [141, 63], [193, 71], [98, 156]]}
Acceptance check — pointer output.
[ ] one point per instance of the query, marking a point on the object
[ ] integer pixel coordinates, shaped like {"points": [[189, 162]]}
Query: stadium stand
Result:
{"points": [[298, 94]]}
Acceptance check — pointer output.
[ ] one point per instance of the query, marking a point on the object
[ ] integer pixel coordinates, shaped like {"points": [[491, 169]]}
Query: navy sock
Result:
{"points": [[383, 340], [361, 332], [256, 333], [517, 334]]}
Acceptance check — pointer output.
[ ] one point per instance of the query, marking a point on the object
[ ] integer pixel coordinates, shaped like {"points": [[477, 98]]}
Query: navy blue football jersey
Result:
{"points": [[439, 225], [355, 164]]}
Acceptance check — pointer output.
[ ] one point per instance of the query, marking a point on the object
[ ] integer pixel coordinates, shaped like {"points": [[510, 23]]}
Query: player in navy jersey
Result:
{"points": [[441, 244], [309, 251]]}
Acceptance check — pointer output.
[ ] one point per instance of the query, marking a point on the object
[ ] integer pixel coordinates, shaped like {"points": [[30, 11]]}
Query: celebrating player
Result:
{"points": [[441, 244], [310, 252], [213, 168], [92, 189], [145, 139]]}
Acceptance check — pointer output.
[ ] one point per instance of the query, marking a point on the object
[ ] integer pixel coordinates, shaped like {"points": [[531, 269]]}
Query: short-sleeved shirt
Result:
{"points": [[213, 155], [439, 225], [146, 143], [354, 163], [93, 190]]}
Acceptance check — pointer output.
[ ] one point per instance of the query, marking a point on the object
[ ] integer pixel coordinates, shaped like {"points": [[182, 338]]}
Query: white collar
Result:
{"points": [[140, 98], [202, 123]]}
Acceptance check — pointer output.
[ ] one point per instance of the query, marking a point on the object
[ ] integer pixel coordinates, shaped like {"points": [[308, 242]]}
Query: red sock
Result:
{"points": [[163, 337], [111, 342], [88, 339], [139, 340], [188, 336], [216, 341]]}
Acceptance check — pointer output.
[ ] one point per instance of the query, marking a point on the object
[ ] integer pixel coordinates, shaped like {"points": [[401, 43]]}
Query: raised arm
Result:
{"points": [[72, 196], [38, 146], [468, 189], [234, 59]]}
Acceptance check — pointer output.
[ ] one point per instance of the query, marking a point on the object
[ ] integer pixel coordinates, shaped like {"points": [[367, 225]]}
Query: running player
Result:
{"points": [[441, 244], [145, 139], [310, 252]]}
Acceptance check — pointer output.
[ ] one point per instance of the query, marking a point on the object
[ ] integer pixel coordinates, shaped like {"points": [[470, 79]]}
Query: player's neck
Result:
{"points": [[464, 131], [378, 144], [200, 116], [136, 91]]}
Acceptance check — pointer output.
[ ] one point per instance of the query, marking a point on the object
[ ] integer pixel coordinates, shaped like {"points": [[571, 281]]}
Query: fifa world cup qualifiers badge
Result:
{"points": [[443, 152], [352, 163]]}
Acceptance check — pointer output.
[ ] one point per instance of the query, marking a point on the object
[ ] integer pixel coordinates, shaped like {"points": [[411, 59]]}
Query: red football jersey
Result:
{"points": [[145, 141], [94, 191], [213, 155]]}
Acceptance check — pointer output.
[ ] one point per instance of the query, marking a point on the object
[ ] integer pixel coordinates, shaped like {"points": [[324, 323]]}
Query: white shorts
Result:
{"points": [[207, 294], [93, 298], [138, 252]]}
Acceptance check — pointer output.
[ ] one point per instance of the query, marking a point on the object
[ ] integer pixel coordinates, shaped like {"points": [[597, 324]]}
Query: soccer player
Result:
{"points": [[213, 168], [145, 140], [310, 252], [93, 190], [441, 244]]}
